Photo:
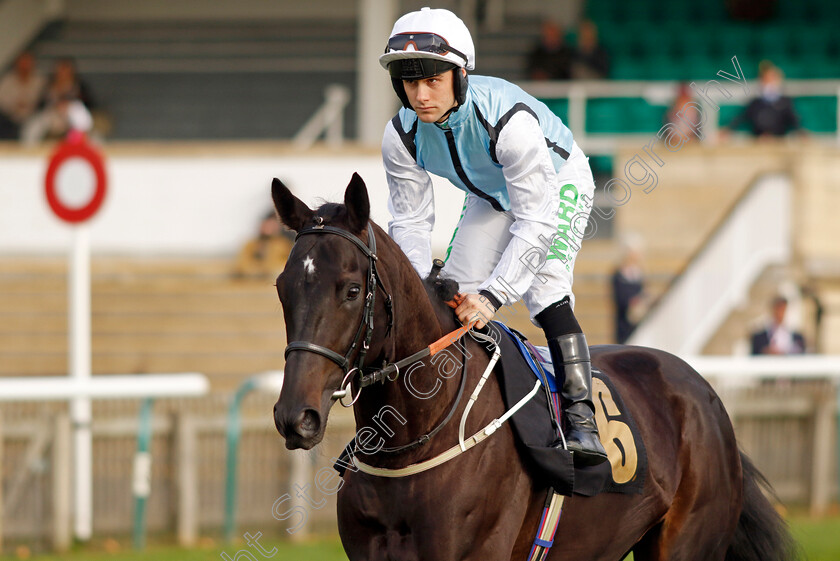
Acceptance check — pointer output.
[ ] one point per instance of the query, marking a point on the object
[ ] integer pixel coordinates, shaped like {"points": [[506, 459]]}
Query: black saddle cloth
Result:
{"points": [[538, 442]]}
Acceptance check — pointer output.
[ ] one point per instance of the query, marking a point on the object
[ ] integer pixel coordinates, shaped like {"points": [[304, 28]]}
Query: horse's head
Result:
{"points": [[323, 289]]}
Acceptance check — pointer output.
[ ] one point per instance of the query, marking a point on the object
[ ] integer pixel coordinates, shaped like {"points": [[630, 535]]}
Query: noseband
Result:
{"points": [[364, 333]]}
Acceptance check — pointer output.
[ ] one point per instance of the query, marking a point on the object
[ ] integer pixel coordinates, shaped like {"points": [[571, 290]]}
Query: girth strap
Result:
{"points": [[548, 526]]}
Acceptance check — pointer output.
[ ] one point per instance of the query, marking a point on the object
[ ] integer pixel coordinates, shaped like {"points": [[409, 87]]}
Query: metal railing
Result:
{"points": [[579, 93]]}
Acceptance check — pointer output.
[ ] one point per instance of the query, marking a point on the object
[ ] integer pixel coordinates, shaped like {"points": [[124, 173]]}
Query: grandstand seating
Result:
{"points": [[229, 80], [154, 316], [690, 41], [200, 80], [147, 317]]}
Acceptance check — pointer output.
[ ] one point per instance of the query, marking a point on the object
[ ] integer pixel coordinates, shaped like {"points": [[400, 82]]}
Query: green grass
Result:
{"points": [[819, 541], [315, 550]]}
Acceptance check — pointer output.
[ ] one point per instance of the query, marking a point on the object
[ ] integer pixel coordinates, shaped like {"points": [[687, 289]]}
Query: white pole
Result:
{"points": [[79, 359], [376, 102]]}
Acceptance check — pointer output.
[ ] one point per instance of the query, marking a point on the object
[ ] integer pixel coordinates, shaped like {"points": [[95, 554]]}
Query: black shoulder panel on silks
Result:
{"points": [[538, 442], [494, 131], [406, 137]]}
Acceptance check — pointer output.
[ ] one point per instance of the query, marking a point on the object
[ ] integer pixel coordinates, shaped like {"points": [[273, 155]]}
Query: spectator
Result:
{"points": [[629, 298], [20, 91], [775, 338], [750, 10], [66, 83], [771, 114], [65, 106], [589, 61], [265, 255], [551, 58], [688, 114]]}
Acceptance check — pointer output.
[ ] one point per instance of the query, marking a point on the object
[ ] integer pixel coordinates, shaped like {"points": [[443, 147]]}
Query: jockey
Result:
{"points": [[528, 191]]}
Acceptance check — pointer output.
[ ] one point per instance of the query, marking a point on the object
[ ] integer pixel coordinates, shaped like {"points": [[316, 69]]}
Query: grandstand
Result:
{"points": [[201, 100], [222, 79]]}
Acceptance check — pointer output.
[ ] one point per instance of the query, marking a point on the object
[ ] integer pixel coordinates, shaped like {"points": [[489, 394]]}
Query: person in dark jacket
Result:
{"points": [[589, 60], [551, 58], [776, 338], [628, 294], [771, 114]]}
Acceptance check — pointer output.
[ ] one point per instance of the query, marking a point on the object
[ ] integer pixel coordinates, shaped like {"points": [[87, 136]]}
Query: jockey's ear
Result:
{"points": [[292, 211], [358, 204]]}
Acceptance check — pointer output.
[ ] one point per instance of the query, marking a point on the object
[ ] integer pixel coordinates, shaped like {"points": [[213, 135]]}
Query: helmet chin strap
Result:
{"points": [[446, 115]]}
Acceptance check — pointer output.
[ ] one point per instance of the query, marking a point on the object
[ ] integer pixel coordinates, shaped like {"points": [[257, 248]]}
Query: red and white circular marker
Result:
{"points": [[75, 181]]}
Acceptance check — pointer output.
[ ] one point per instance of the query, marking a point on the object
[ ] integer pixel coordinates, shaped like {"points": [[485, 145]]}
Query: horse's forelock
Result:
{"points": [[334, 214]]}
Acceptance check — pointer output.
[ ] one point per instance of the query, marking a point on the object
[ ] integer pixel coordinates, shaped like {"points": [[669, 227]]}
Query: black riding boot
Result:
{"points": [[570, 355]]}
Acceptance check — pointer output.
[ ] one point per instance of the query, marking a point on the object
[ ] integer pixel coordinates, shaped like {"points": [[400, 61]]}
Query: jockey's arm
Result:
{"points": [[532, 186], [410, 201]]}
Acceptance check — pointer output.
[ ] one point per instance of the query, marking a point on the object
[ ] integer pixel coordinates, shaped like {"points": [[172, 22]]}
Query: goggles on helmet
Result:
{"points": [[423, 42], [418, 68]]}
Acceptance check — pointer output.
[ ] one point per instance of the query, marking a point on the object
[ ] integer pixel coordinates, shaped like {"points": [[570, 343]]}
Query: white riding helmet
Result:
{"points": [[431, 34], [427, 43]]}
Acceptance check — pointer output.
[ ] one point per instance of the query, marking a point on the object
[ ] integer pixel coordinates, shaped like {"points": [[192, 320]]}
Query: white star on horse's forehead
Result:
{"points": [[309, 265]]}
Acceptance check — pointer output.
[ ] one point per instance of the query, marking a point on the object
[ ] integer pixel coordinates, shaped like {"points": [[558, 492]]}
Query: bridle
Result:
{"points": [[364, 333]]}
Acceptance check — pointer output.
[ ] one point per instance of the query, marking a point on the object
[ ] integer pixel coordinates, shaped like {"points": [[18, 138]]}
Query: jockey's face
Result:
{"points": [[431, 98]]}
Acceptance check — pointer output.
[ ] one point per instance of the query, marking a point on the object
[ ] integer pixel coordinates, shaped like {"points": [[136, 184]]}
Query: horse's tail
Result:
{"points": [[762, 534]]}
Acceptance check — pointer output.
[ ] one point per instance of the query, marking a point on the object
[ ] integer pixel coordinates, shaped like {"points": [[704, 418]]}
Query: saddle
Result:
{"points": [[536, 427]]}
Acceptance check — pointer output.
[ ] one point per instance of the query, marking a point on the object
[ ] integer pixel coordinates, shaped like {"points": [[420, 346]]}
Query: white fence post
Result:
{"points": [[62, 487], [300, 476], [187, 450], [821, 476]]}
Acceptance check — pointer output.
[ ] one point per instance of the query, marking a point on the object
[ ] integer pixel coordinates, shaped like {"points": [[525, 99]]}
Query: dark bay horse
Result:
{"points": [[342, 306]]}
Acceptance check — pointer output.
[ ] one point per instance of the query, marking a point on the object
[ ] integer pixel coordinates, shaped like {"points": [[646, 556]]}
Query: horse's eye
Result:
{"points": [[353, 292]]}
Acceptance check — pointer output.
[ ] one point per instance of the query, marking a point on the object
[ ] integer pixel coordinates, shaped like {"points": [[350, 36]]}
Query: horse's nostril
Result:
{"points": [[309, 423]]}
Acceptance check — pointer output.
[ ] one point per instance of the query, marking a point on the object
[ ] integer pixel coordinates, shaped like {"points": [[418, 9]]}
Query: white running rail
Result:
{"points": [[756, 235]]}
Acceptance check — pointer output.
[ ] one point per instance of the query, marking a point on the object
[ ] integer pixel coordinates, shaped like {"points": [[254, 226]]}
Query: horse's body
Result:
{"points": [[483, 505]]}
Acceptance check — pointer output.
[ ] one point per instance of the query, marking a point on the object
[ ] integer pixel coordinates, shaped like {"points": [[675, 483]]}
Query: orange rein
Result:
{"points": [[453, 336]]}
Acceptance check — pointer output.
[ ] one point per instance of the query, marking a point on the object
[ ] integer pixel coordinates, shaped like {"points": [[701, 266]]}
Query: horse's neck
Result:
{"points": [[423, 394], [417, 320]]}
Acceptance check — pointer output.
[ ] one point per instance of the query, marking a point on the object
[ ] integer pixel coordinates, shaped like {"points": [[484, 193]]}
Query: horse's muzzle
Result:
{"points": [[301, 428]]}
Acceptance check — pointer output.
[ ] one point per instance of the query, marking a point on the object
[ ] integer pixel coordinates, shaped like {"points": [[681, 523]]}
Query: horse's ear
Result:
{"points": [[292, 211], [358, 204]]}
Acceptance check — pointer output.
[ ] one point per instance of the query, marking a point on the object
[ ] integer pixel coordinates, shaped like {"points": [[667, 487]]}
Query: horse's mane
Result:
{"points": [[440, 291], [333, 213]]}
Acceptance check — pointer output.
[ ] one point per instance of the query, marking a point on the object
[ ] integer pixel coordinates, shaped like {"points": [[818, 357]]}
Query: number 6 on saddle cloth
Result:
{"points": [[539, 440]]}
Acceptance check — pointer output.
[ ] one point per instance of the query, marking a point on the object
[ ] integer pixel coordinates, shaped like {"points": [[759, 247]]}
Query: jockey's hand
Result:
{"points": [[474, 307]]}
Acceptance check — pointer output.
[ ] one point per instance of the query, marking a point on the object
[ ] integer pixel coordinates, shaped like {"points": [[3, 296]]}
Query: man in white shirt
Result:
{"points": [[20, 92]]}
